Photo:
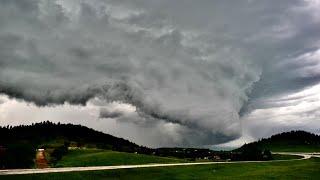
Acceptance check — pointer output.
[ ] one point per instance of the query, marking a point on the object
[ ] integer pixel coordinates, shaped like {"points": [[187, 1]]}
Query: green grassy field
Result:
{"points": [[96, 157], [284, 157], [281, 147], [299, 169]]}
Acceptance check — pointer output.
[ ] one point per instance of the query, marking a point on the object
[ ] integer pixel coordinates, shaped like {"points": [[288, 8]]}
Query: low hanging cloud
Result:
{"points": [[110, 114], [114, 110], [194, 73]]}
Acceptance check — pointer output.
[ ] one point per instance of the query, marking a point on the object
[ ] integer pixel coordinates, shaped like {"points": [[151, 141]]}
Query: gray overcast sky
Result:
{"points": [[163, 73]]}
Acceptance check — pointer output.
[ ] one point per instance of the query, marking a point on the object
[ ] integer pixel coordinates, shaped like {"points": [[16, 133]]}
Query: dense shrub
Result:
{"points": [[58, 153], [18, 156]]}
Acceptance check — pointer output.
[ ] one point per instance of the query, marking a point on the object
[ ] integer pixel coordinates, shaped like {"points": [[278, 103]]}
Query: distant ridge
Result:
{"points": [[293, 141]]}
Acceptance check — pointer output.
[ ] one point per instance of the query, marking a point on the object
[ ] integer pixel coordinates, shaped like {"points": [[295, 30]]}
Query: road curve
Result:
{"points": [[95, 168]]}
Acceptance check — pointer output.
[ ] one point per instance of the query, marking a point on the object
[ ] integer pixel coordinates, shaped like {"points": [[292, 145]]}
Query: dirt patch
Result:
{"points": [[41, 161]]}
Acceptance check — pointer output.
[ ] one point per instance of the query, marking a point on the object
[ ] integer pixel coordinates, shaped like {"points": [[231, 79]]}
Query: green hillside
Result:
{"points": [[97, 157], [47, 133], [294, 141], [18, 144]]}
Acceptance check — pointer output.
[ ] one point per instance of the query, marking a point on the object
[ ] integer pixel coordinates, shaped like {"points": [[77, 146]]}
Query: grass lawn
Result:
{"points": [[299, 169], [96, 157], [282, 147], [284, 157]]}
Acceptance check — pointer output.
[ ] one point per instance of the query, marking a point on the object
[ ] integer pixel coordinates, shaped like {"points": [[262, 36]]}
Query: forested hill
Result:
{"points": [[294, 141], [41, 134]]}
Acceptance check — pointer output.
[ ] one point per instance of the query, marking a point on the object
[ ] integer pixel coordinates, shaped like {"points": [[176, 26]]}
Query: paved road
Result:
{"points": [[94, 168]]}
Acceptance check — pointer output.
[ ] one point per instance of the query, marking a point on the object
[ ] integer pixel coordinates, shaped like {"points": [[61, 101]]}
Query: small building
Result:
{"points": [[216, 157]]}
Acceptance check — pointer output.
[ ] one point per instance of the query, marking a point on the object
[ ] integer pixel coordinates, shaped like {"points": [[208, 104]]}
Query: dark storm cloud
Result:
{"points": [[193, 72], [104, 113]]}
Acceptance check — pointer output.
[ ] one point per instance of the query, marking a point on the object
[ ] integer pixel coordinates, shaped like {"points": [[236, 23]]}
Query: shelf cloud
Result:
{"points": [[188, 71]]}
